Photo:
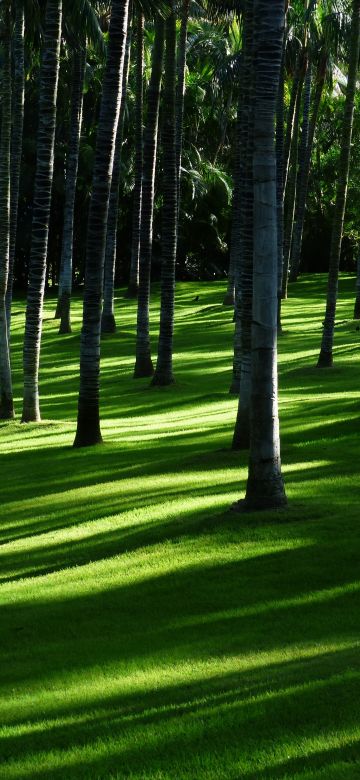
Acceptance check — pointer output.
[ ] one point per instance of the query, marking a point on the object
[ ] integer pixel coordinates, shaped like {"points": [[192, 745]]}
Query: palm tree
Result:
{"points": [[143, 364], [164, 369], [66, 263], [357, 299], [88, 422], [265, 488], [180, 90], [18, 98], [326, 352], [6, 396], [133, 287], [41, 209]]}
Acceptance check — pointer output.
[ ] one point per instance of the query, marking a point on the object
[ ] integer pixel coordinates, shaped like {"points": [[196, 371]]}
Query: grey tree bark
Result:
{"points": [[133, 287], [357, 298]]}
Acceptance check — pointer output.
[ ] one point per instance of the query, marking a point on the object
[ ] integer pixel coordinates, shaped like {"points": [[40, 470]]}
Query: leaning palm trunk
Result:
{"points": [[291, 193], [88, 422], [303, 147], [291, 119], [357, 299], [326, 352], [164, 369], [6, 396], [18, 97], [108, 323], [265, 488], [143, 364], [180, 92], [49, 74], [304, 178], [66, 263], [133, 287], [241, 437]]}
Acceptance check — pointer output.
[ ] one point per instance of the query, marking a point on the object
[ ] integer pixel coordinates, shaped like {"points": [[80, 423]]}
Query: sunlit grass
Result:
{"points": [[146, 631]]}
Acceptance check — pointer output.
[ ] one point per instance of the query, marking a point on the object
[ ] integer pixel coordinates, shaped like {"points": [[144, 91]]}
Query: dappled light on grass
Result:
{"points": [[147, 631]]}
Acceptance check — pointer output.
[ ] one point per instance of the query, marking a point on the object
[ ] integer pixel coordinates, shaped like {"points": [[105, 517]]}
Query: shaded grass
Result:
{"points": [[146, 631]]}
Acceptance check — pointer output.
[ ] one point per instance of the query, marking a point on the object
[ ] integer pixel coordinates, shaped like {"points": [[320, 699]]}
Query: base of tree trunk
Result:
{"points": [[325, 360], [162, 380], [260, 504], [241, 438], [143, 368], [357, 310], [6, 408], [108, 324], [88, 432], [65, 326], [58, 310], [229, 299], [132, 290], [30, 414], [234, 388]]}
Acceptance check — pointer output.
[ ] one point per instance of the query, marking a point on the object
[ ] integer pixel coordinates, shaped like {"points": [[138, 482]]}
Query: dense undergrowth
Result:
{"points": [[148, 632]]}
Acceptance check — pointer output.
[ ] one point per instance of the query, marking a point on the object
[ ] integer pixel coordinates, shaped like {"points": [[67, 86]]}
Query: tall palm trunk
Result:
{"points": [[164, 368], [6, 396], [88, 422], [265, 488], [133, 287], [235, 240], [49, 74], [326, 352], [303, 147], [304, 176], [180, 91], [108, 323], [290, 120], [143, 363], [280, 180], [18, 98], [66, 263], [357, 298], [241, 437]]}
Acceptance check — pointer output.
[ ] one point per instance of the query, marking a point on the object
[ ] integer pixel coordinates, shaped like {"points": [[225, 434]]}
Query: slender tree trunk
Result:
{"points": [[18, 98], [241, 437], [88, 422], [280, 180], [265, 488], [180, 92], [133, 287], [290, 120], [66, 264], [108, 323], [164, 368], [326, 352], [304, 179], [291, 192], [233, 294], [143, 364], [357, 299], [6, 396], [49, 74]]}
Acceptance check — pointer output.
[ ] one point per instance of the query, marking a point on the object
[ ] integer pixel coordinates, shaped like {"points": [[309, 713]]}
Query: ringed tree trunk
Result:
{"points": [[180, 92], [265, 487], [66, 263], [357, 299], [88, 421], [143, 363], [108, 323], [304, 175], [303, 147], [326, 353], [164, 367], [18, 99], [280, 180], [234, 263], [241, 437], [49, 74], [6, 396], [133, 287]]}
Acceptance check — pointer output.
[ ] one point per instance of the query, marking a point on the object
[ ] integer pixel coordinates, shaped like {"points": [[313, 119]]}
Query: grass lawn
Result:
{"points": [[147, 632]]}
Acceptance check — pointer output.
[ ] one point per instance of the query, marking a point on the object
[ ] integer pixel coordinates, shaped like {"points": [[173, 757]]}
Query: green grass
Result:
{"points": [[148, 633]]}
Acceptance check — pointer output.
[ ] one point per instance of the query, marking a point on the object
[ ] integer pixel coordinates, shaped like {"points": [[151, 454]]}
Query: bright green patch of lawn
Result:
{"points": [[146, 631]]}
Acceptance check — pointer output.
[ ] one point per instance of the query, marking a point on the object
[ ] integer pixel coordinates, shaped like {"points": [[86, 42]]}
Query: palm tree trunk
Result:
{"points": [[143, 363], [235, 241], [326, 352], [49, 74], [164, 369], [304, 178], [18, 98], [108, 323], [280, 180], [290, 121], [133, 287], [265, 488], [180, 91], [66, 263], [357, 299], [88, 422], [6, 396]]}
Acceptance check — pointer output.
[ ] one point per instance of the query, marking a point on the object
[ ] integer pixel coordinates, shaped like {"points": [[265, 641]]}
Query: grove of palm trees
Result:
{"points": [[179, 389]]}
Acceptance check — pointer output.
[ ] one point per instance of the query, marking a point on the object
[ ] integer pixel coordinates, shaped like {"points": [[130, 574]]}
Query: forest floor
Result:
{"points": [[147, 632]]}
